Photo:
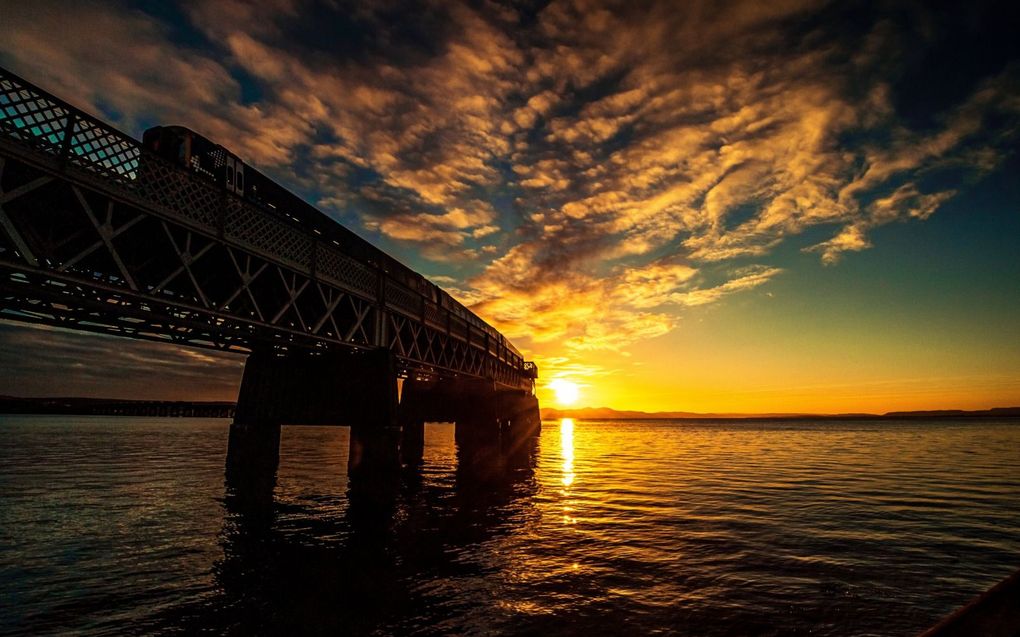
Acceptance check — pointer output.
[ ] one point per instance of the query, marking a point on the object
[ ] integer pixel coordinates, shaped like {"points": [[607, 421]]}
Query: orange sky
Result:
{"points": [[729, 207]]}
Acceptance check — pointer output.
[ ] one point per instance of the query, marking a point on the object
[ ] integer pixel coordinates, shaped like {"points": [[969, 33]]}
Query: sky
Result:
{"points": [[703, 206]]}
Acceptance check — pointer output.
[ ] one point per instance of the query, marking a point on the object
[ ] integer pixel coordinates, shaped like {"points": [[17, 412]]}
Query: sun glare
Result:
{"points": [[566, 391]]}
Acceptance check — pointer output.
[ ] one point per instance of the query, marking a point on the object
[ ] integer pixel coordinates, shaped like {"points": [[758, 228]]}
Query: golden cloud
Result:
{"points": [[646, 164]]}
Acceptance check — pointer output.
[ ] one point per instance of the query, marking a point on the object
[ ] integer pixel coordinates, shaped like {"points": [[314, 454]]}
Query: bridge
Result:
{"points": [[99, 233]]}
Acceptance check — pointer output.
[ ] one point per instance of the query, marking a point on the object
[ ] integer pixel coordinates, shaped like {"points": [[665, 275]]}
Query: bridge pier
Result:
{"points": [[253, 455], [311, 388], [356, 388], [412, 441], [484, 415], [359, 389]]}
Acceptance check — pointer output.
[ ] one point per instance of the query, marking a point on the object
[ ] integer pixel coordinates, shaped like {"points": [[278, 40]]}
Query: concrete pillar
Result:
{"points": [[483, 413], [253, 455], [415, 408], [354, 388], [412, 441], [357, 388], [374, 453], [478, 419], [521, 411]]}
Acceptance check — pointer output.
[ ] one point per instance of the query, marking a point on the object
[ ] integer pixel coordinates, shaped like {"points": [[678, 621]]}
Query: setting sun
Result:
{"points": [[566, 391]]}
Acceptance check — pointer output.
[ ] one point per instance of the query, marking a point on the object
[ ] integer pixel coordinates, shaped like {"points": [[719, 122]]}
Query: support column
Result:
{"points": [[522, 411], [253, 455], [253, 443], [412, 442], [415, 408], [525, 427], [375, 432], [482, 412], [355, 388]]}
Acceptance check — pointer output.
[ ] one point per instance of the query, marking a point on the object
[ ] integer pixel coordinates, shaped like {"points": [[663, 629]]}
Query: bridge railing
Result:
{"points": [[109, 158], [52, 126]]}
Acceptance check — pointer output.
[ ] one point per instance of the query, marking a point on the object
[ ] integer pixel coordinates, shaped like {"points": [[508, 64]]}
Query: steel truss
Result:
{"points": [[97, 235]]}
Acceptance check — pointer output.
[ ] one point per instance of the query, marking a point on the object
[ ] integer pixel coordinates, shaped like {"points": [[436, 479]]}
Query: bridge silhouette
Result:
{"points": [[103, 234]]}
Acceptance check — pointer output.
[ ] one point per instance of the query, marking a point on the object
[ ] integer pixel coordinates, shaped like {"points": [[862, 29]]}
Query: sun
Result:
{"points": [[566, 391]]}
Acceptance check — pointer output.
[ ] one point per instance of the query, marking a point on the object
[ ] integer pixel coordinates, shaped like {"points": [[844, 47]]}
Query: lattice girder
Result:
{"points": [[97, 225]]}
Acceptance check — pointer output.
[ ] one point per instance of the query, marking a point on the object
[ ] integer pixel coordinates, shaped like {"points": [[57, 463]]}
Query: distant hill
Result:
{"points": [[606, 413], [955, 413], [117, 406]]}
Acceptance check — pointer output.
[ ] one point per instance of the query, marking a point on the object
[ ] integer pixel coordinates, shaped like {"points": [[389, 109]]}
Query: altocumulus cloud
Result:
{"points": [[579, 171]]}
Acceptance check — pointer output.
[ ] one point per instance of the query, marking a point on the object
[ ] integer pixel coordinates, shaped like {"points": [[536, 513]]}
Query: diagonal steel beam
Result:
{"points": [[430, 338], [187, 259], [107, 233], [396, 334], [8, 225], [11, 195], [360, 322], [294, 291], [330, 304], [247, 278], [415, 331]]}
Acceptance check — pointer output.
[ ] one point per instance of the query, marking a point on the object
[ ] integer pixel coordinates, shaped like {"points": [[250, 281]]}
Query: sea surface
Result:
{"points": [[129, 526]]}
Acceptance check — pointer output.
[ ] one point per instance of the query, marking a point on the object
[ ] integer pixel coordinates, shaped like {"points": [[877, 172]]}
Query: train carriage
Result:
{"points": [[212, 161]]}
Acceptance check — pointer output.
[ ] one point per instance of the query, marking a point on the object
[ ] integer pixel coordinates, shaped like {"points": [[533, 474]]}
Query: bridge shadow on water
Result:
{"points": [[381, 559]]}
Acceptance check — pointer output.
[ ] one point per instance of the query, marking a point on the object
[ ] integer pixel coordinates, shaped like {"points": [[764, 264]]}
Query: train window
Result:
{"points": [[240, 181], [230, 176]]}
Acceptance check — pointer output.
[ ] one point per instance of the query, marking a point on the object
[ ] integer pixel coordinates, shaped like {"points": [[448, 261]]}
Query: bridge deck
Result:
{"points": [[98, 234]]}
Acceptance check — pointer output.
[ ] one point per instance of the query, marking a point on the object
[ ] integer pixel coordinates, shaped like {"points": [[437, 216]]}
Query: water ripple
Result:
{"points": [[114, 526]]}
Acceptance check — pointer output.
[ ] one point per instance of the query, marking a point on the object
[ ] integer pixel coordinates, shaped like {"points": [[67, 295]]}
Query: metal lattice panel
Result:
{"points": [[433, 315], [250, 226], [176, 191], [400, 298], [346, 272], [29, 117], [458, 328], [105, 151]]}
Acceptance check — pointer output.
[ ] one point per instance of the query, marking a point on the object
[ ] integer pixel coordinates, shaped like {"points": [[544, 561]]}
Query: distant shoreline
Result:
{"points": [[72, 405], [77, 406], [612, 414]]}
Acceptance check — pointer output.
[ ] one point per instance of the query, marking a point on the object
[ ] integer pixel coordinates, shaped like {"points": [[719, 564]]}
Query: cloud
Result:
{"points": [[583, 173], [450, 229], [585, 312], [744, 280], [40, 361], [849, 239]]}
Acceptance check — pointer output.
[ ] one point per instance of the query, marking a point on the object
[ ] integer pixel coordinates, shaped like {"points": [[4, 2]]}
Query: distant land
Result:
{"points": [[115, 407], [606, 413], [225, 409]]}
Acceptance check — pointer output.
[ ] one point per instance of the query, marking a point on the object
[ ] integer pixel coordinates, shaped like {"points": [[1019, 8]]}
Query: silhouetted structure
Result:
{"points": [[357, 572], [994, 613], [177, 240]]}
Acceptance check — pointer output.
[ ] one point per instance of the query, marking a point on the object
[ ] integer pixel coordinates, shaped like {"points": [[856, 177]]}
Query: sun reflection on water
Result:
{"points": [[567, 450], [567, 479]]}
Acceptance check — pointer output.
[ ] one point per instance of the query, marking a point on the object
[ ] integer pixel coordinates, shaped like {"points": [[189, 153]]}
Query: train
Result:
{"points": [[213, 162]]}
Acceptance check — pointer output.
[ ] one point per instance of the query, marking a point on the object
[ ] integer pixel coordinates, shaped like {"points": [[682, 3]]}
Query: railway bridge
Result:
{"points": [[100, 233]]}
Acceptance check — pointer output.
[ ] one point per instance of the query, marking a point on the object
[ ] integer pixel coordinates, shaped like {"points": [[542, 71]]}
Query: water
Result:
{"points": [[125, 526]]}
